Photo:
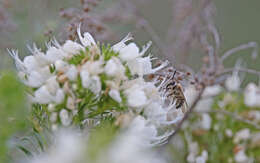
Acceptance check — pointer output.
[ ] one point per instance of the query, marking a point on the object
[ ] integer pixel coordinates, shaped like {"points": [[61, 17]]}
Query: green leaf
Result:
{"points": [[107, 52], [76, 59], [101, 137], [12, 109]]}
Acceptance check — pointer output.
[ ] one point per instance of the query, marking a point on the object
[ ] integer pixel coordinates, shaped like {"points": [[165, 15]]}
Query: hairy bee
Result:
{"points": [[174, 90]]}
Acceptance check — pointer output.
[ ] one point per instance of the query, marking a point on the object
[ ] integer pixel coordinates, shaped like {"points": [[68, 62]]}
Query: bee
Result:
{"points": [[174, 91]]}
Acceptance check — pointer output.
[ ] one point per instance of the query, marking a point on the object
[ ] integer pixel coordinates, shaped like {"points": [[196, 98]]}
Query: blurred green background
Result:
{"points": [[236, 20]]}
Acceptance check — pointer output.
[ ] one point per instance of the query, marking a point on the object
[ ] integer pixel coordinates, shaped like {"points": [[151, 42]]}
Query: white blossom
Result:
{"points": [[143, 66], [53, 54], [87, 39], [65, 117], [252, 95], [61, 65], [72, 73], [136, 97], [212, 90], [51, 107], [129, 52], [117, 47], [31, 63], [115, 95], [232, 83], [228, 132], [206, 121], [243, 134], [95, 85], [85, 78], [94, 67], [70, 48], [53, 117], [241, 157], [115, 68], [67, 148]]}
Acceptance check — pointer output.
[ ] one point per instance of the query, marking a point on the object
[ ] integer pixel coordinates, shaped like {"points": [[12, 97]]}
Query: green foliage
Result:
{"points": [[107, 52], [101, 137], [39, 117], [219, 146], [12, 110], [127, 72], [76, 59]]}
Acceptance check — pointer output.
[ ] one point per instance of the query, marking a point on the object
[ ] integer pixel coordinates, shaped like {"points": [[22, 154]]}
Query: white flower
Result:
{"points": [[255, 141], [52, 85], [92, 83], [34, 79], [206, 121], [31, 63], [129, 52], [87, 39], [140, 66], [204, 104], [212, 90], [115, 95], [51, 107], [203, 158], [143, 66], [49, 93], [193, 151], [53, 117], [151, 91], [59, 97], [111, 68], [72, 73], [85, 78], [135, 93], [241, 157], [155, 111], [53, 54], [42, 95], [71, 48], [94, 67], [95, 85], [117, 47], [115, 68], [228, 132], [61, 65], [70, 103], [200, 159], [252, 95], [136, 98], [65, 117], [243, 134], [232, 83], [67, 147]]}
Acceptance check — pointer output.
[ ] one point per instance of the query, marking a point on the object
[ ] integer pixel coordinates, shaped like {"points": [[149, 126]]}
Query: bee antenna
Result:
{"points": [[174, 74]]}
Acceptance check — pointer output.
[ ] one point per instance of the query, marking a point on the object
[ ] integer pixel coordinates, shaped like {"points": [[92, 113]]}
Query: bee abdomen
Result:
{"points": [[179, 103]]}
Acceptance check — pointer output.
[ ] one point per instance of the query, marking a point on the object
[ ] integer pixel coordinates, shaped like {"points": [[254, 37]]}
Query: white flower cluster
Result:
{"points": [[194, 154], [134, 145], [71, 146], [252, 95], [68, 77]]}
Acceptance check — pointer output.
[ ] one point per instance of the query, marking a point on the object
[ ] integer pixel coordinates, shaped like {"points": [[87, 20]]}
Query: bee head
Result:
{"points": [[171, 85]]}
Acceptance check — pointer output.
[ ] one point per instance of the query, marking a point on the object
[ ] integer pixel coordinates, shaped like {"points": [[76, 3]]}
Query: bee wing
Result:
{"points": [[184, 107], [185, 104]]}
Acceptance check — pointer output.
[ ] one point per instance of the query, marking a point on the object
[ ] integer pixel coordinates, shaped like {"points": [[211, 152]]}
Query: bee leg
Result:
{"points": [[169, 95], [173, 100]]}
